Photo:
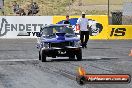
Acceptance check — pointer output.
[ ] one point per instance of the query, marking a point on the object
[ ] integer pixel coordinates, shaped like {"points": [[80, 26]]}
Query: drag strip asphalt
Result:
{"points": [[20, 67]]}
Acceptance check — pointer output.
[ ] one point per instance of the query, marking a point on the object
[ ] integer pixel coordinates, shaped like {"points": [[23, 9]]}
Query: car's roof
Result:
{"points": [[56, 25]]}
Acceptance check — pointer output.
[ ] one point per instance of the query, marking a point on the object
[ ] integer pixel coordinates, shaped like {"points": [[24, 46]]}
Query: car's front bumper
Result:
{"points": [[61, 52]]}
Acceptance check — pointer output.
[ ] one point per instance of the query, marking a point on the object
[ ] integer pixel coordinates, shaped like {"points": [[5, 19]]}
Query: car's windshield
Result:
{"points": [[55, 29]]}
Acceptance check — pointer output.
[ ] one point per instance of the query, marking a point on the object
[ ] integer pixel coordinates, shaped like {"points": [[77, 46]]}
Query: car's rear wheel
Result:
{"points": [[43, 56], [79, 55], [39, 56]]}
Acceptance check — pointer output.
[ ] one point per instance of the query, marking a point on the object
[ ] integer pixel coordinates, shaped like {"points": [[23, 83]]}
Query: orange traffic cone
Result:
{"points": [[130, 53], [81, 71]]}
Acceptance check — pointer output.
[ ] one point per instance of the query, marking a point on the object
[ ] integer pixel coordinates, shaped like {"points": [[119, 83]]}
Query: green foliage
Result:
{"points": [[60, 7]]}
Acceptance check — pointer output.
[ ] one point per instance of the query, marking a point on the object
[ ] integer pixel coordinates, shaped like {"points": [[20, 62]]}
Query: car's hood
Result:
{"points": [[60, 37], [55, 40]]}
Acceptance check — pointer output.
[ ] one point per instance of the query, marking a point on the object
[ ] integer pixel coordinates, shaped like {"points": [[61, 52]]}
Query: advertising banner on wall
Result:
{"points": [[29, 26], [120, 31], [100, 28], [22, 26], [98, 23]]}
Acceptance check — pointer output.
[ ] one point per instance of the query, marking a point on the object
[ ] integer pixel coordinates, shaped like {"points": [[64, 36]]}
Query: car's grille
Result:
{"points": [[61, 44]]}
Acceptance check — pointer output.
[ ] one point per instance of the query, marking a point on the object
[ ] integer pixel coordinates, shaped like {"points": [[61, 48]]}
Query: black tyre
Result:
{"points": [[72, 57], [43, 56], [39, 56], [79, 55]]}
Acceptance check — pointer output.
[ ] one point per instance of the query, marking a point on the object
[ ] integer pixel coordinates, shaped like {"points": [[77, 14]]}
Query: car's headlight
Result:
{"points": [[76, 44], [45, 45]]}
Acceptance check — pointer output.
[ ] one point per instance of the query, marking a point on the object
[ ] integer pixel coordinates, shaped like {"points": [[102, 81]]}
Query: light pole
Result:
{"points": [[108, 11], [69, 8], [32, 7], [3, 12]]}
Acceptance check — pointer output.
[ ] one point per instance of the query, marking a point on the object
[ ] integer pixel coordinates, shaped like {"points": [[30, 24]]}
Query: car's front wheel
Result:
{"points": [[79, 55], [43, 56], [71, 56]]}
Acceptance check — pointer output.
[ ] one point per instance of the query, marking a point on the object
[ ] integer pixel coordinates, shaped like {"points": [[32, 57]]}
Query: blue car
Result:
{"points": [[58, 40]]}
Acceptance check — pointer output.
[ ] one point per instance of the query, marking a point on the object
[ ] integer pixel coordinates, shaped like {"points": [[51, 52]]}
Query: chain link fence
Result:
{"points": [[120, 12]]}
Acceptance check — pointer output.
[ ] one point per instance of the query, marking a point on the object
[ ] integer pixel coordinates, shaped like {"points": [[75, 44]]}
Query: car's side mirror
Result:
{"points": [[38, 34]]}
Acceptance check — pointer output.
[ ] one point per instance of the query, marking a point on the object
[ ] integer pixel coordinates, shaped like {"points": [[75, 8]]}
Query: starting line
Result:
{"points": [[84, 58], [17, 60]]}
